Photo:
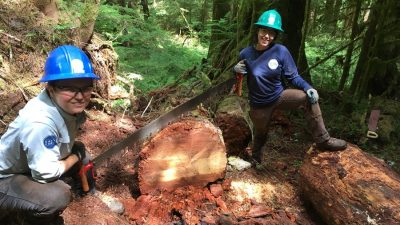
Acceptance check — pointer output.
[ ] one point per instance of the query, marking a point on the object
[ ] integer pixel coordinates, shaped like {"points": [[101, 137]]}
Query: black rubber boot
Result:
{"points": [[332, 144]]}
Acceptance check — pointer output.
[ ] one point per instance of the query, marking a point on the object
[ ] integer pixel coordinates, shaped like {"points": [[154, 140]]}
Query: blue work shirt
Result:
{"points": [[36, 141], [264, 73]]}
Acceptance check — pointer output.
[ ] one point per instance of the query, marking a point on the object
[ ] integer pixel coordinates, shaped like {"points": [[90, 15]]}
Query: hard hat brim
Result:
{"points": [[264, 26], [65, 76]]}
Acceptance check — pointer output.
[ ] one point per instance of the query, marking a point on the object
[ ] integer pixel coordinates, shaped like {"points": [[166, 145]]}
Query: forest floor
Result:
{"points": [[269, 194], [263, 195]]}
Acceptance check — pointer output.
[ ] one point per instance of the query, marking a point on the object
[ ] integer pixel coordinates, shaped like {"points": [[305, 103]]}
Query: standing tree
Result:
{"points": [[376, 72], [349, 52]]}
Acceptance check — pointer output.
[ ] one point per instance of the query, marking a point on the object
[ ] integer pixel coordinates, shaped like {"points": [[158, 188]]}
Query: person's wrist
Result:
{"points": [[77, 156]]}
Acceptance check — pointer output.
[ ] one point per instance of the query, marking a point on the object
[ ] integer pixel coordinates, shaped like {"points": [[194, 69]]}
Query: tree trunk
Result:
{"points": [[376, 68], [328, 15], [204, 15], [351, 187], [48, 8], [335, 16], [188, 152], [146, 11], [220, 9], [88, 20], [292, 21], [349, 52], [231, 118]]}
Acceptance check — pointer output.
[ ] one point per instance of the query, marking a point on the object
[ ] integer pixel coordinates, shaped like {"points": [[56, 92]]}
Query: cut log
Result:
{"points": [[351, 187], [232, 119], [187, 152]]}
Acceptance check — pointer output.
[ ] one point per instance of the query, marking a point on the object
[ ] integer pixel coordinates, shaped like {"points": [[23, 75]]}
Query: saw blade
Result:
{"points": [[162, 121]]}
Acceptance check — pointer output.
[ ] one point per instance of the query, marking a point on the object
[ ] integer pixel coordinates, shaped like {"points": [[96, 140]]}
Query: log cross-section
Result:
{"points": [[188, 152]]}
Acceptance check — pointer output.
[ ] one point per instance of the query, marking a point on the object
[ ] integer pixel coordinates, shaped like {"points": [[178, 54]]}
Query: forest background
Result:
{"points": [[347, 49]]}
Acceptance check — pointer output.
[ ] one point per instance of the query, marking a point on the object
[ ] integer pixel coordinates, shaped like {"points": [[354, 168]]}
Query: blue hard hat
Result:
{"points": [[67, 62]]}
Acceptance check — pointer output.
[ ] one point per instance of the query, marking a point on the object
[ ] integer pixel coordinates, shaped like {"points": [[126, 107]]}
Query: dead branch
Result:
{"points": [[144, 111]]}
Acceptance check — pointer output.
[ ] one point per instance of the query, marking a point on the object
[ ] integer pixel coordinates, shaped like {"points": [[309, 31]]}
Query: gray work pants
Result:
{"points": [[21, 195], [289, 99]]}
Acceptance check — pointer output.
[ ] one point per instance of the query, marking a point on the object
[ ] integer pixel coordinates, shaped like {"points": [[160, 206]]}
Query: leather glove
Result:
{"points": [[312, 95], [79, 150], [240, 67]]}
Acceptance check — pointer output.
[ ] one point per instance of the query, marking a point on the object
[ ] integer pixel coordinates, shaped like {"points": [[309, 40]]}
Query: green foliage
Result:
{"points": [[327, 74], [146, 49]]}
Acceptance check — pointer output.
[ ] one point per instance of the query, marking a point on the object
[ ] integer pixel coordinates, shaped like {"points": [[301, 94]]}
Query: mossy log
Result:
{"points": [[231, 117], [187, 152], [351, 187]]}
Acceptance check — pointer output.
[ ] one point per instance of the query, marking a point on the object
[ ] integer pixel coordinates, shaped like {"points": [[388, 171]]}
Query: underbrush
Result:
{"points": [[159, 56]]}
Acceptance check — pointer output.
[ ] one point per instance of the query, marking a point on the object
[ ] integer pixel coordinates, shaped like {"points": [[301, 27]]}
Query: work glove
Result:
{"points": [[79, 150], [312, 95], [240, 67]]}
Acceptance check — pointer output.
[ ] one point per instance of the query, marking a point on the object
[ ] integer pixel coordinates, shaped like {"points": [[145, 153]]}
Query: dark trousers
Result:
{"points": [[21, 195], [290, 99]]}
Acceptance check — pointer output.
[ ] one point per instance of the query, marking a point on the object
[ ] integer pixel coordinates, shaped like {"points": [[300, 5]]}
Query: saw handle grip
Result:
{"points": [[87, 176], [239, 83]]}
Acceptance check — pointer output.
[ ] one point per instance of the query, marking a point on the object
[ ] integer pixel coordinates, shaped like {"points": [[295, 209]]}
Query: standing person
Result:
{"points": [[265, 63], [39, 146]]}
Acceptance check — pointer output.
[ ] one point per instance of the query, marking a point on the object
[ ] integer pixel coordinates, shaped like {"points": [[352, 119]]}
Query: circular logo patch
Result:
{"points": [[273, 64], [50, 141]]}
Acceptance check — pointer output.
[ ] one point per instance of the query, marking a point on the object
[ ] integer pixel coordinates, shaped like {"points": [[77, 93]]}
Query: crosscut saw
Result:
{"points": [[162, 121]]}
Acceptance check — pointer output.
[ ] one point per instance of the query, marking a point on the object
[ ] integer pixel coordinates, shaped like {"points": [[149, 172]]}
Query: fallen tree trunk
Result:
{"points": [[188, 152], [351, 187], [232, 119]]}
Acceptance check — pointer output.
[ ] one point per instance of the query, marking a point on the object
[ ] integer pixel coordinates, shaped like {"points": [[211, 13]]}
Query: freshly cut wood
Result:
{"points": [[231, 118], [351, 187], [187, 152]]}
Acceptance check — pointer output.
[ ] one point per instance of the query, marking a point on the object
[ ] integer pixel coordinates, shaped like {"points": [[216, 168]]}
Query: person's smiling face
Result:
{"points": [[72, 95], [265, 37]]}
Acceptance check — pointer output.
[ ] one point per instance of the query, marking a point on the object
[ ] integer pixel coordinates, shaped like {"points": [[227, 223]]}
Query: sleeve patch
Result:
{"points": [[50, 141]]}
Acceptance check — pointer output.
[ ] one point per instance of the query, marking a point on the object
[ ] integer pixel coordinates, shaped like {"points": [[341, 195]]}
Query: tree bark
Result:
{"points": [[231, 118], [335, 16], [376, 68], [146, 11], [351, 187], [204, 15], [293, 15], [88, 20], [188, 152]]}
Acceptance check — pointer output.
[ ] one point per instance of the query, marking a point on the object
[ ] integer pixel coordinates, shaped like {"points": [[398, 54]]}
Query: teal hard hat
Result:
{"points": [[271, 19], [67, 62]]}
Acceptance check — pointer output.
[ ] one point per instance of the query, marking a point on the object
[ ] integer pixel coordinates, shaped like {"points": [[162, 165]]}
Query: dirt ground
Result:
{"points": [[263, 195]]}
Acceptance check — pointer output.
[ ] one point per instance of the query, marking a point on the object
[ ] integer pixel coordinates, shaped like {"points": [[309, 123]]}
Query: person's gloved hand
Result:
{"points": [[312, 95], [240, 67], [79, 150]]}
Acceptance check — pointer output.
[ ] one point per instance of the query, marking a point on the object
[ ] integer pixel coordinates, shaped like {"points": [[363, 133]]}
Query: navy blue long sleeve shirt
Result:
{"points": [[264, 70]]}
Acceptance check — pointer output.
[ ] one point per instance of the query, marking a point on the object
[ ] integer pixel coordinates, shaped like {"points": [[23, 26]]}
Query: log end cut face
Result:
{"points": [[188, 152]]}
